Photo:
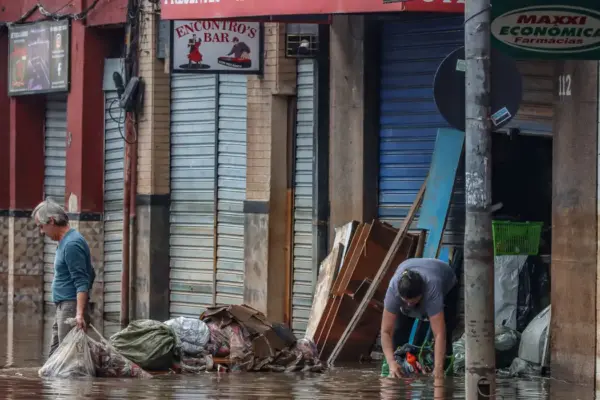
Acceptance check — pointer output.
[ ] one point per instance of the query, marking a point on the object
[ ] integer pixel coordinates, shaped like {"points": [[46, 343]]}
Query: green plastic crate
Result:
{"points": [[516, 238]]}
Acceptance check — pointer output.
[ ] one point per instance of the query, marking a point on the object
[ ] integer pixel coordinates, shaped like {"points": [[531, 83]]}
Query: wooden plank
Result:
{"points": [[381, 273], [348, 269], [325, 323], [323, 289], [346, 234], [440, 184]]}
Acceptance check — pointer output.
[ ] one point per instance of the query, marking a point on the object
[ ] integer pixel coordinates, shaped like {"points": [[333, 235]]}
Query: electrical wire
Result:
{"points": [[55, 15], [130, 56]]}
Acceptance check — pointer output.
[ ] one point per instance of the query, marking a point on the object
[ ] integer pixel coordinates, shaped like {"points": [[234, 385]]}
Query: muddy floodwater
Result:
{"points": [[22, 349]]}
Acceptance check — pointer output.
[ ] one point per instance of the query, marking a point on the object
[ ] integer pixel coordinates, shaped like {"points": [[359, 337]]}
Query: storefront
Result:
{"points": [[208, 186], [413, 47]]}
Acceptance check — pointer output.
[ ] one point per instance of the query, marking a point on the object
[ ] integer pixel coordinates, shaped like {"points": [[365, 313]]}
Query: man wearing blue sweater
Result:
{"points": [[73, 271]]}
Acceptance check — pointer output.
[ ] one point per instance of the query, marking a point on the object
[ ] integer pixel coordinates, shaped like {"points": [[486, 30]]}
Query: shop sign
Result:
{"points": [[219, 9], [547, 30], [38, 58], [205, 46]]}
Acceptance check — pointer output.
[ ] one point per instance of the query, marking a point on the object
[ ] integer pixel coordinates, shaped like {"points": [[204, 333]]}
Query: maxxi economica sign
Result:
{"points": [[547, 30]]}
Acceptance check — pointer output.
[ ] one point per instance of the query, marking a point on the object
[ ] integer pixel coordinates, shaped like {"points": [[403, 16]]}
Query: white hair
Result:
{"points": [[49, 210]]}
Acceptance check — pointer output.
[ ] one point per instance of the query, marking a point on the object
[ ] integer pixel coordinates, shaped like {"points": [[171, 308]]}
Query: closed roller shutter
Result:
{"points": [[55, 161], [114, 153], [192, 219], [303, 263], [231, 190], [414, 47]]}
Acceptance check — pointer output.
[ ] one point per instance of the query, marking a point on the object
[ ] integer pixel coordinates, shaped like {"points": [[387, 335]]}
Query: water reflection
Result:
{"points": [[335, 384], [22, 345]]}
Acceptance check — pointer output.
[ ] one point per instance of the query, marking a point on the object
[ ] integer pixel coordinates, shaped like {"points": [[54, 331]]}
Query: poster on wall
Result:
{"points": [[547, 29], [216, 47], [38, 58]]}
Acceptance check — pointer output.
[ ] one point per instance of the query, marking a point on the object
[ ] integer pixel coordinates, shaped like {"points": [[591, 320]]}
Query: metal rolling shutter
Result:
{"points": [[409, 119], [114, 152], [231, 189], [414, 47], [192, 219], [303, 263], [55, 161]]}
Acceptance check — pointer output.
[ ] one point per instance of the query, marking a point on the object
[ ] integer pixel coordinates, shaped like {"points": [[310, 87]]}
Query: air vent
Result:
{"points": [[302, 40], [302, 46]]}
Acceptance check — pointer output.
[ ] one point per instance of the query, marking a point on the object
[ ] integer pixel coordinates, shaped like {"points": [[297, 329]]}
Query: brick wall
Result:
{"points": [[154, 124], [279, 78]]}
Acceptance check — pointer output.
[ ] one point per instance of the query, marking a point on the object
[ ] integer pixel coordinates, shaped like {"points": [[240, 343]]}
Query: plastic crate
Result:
{"points": [[516, 238]]}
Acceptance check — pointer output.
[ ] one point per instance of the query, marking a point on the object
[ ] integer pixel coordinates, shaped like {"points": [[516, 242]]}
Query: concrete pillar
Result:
{"points": [[151, 270], [353, 141], [84, 193], [25, 280], [25, 244], [265, 208], [574, 227], [4, 170]]}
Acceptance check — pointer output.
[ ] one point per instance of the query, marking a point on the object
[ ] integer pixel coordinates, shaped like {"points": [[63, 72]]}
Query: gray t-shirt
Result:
{"points": [[439, 279]]}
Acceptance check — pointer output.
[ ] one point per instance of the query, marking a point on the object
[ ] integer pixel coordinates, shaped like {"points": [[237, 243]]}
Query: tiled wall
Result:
{"points": [[25, 265]]}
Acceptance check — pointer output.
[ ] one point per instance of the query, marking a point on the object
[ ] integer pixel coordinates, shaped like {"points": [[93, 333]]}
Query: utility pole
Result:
{"points": [[480, 379]]}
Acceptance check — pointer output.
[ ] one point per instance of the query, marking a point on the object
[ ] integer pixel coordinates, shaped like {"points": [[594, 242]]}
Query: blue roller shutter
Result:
{"points": [[413, 47]]}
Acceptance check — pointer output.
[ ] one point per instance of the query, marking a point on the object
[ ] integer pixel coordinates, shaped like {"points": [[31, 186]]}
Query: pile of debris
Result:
{"points": [[230, 338], [345, 319]]}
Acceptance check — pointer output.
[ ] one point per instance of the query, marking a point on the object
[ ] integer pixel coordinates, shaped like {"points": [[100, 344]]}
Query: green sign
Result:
{"points": [[547, 29]]}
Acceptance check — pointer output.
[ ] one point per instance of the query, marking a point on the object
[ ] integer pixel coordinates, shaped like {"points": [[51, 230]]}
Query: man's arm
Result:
{"points": [[76, 260], [387, 330], [438, 327]]}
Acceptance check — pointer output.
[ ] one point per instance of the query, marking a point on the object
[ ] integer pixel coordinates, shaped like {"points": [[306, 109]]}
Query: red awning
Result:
{"points": [[220, 9]]}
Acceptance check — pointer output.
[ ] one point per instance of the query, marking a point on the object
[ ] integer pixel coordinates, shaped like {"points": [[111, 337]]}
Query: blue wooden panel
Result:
{"points": [[442, 174], [414, 46]]}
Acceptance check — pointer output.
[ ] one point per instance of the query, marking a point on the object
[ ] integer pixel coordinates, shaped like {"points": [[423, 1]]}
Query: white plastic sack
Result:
{"points": [[72, 359], [506, 290], [193, 334]]}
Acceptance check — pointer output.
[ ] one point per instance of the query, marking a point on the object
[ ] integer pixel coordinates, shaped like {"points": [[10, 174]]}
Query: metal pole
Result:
{"points": [[480, 380]]}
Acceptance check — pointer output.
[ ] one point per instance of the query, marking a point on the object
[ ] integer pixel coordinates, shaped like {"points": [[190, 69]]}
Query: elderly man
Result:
{"points": [[73, 271]]}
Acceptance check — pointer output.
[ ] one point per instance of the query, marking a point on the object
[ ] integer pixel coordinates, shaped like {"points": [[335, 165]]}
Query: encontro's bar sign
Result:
{"points": [[216, 46], [221, 9], [549, 31]]}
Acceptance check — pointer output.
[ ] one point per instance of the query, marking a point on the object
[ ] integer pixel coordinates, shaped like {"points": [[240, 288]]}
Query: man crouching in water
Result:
{"points": [[423, 288], [73, 271]]}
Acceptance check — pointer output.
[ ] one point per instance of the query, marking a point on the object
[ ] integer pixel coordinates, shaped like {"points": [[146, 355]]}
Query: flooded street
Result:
{"points": [[22, 351]]}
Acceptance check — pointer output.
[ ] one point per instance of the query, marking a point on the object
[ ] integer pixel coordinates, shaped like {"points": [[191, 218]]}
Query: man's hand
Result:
{"points": [[81, 322], [395, 370]]}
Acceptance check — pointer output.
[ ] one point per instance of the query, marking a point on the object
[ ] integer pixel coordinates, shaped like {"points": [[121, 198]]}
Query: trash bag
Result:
{"points": [[534, 291], [193, 334], [72, 359], [459, 351], [522, 368], [150, 344], [506, 343], [110, 364], [506, 288]]}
